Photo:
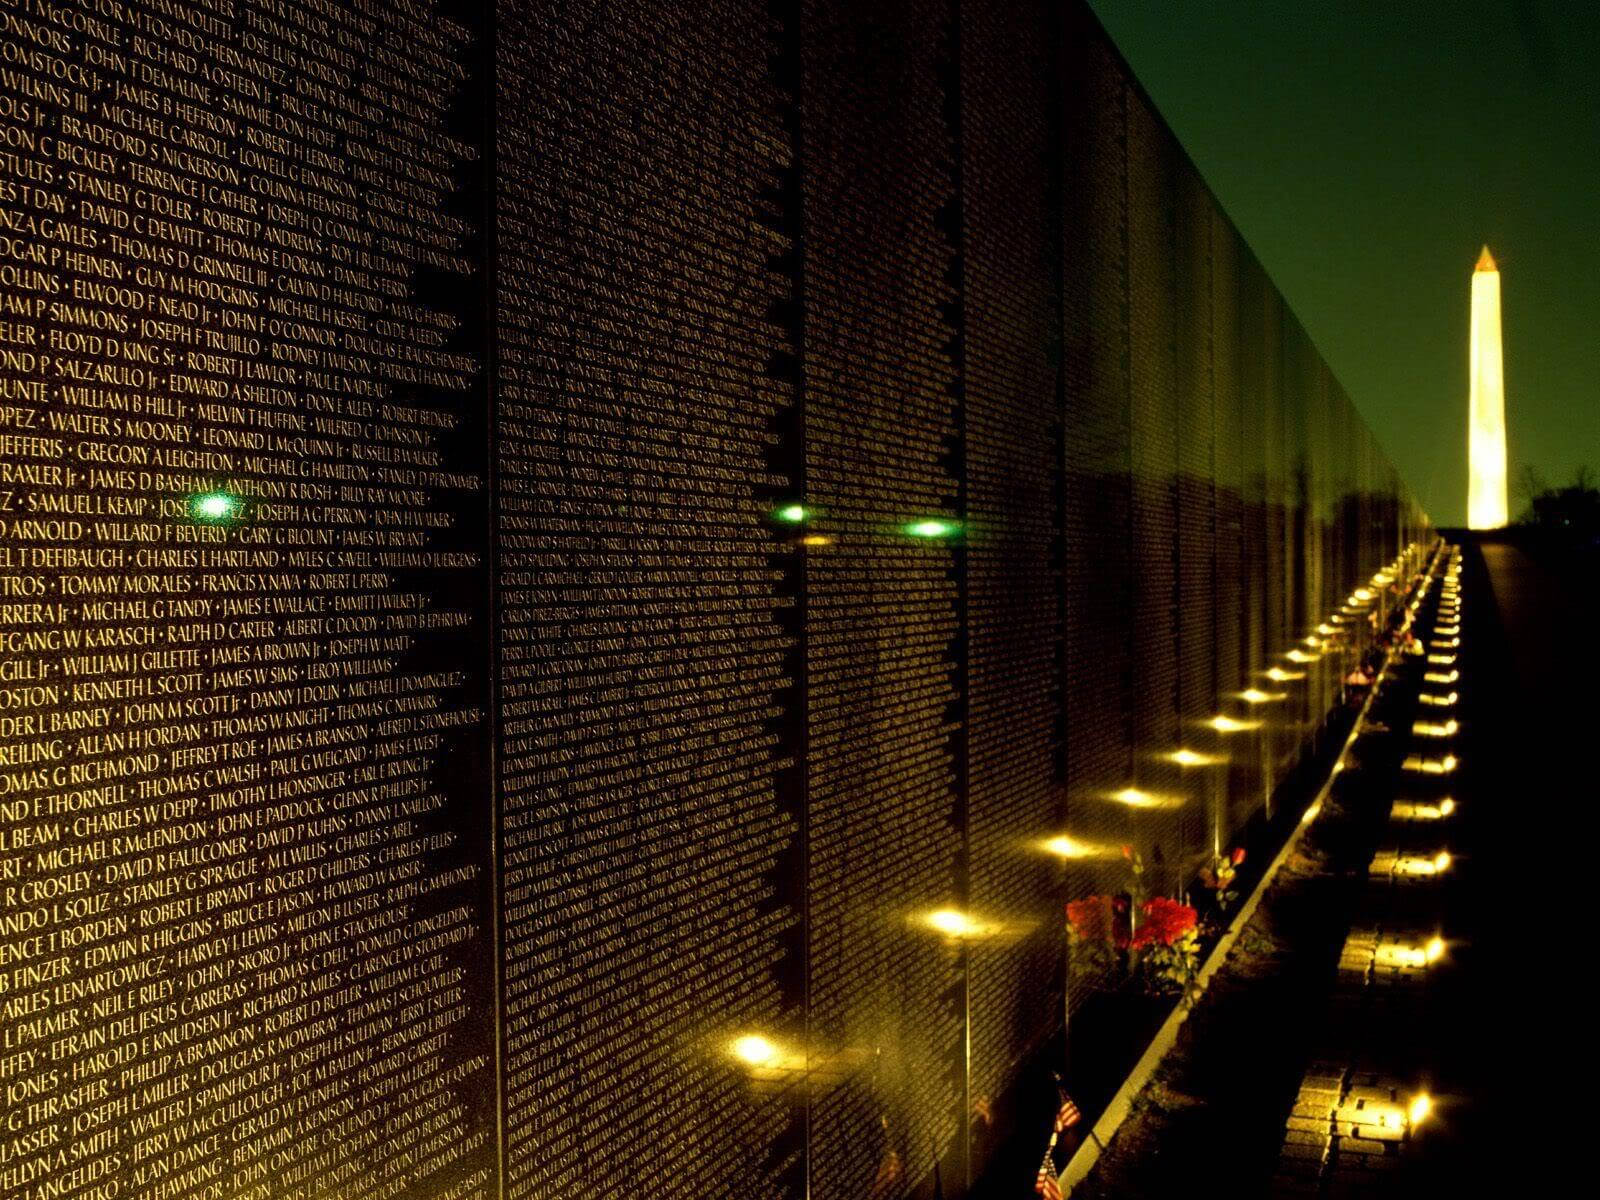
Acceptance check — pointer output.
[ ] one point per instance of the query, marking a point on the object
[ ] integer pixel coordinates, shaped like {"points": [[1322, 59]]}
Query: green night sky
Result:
{"points": [[1366, 149]]}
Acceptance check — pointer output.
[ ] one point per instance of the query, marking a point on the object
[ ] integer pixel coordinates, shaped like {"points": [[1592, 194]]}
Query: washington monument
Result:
{"points": [[1486, 416]]}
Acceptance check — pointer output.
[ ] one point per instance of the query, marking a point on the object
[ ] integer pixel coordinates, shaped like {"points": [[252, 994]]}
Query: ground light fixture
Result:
{"points": [[1399, 954], [1417, 810], [1419, 1108], [1388, 1117], [1409, 955], [1419, 765], [1422, 865], [1436, 729]]}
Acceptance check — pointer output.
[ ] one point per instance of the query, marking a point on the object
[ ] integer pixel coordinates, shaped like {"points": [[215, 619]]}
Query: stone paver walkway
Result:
{"points": [[1371, 977]]}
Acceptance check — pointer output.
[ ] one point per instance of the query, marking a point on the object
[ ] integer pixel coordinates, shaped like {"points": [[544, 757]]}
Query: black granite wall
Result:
{"points": [[246, 881], [551, 550], [648, 647]]}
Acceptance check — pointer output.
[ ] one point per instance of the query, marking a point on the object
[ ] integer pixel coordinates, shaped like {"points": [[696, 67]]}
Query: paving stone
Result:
{"points": [[1362, 1145], [1305, 1153], [1301, 1166], [1379, 1133], [1326, 1099], [1298, 1137]]}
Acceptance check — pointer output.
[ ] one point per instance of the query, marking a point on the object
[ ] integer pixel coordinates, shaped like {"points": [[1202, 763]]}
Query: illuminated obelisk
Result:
{"points": [[1486, 418]]}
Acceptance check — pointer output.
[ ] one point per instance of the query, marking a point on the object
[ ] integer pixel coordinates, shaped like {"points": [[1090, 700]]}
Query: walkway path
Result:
{"points": [[1338, 1010], [1535, 789]]}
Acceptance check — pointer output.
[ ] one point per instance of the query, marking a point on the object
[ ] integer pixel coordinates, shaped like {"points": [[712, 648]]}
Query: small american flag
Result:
{"points": [[1047, 1185], [1067, 1115]]}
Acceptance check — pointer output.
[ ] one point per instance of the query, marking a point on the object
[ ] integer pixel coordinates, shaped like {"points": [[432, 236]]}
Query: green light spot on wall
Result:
{"points": [[933, 528], [214, 507], [792, 514]]}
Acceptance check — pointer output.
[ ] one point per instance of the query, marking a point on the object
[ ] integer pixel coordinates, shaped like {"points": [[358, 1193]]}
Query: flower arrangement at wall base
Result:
{"points": [[1166, 945], [1154, 944]]}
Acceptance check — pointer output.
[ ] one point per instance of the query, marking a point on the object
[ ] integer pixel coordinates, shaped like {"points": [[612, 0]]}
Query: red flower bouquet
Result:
{"points": [[1163, 922], [1166, 945]]}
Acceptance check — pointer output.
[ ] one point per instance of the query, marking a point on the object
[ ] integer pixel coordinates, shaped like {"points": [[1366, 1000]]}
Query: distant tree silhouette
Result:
{"points": [[1573, 510]]}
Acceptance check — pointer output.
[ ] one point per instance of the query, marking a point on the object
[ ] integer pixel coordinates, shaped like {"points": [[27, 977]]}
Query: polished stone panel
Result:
{"points": [[565, 565], [247, 881]]}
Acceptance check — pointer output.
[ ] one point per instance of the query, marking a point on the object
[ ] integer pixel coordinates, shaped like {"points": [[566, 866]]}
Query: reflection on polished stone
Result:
{"points": [[1192, 758], [1138, 798], [1227, 724], [568, 568]]}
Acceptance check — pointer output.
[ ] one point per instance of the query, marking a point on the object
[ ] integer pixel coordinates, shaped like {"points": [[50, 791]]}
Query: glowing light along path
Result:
{"points": [[1486, 420]]}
